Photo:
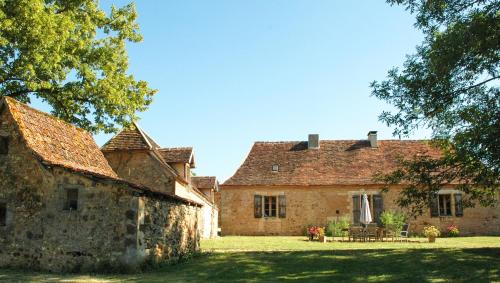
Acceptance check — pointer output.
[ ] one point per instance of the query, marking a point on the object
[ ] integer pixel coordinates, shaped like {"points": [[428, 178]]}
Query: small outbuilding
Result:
{"points": [[63, 208]]}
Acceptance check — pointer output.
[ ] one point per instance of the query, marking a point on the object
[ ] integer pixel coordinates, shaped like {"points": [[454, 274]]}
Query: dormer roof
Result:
{"points": [[205, 182], [178, 155]]}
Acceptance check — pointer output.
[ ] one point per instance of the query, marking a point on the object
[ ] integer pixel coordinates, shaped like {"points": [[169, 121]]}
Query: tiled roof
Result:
{"points": [[132, 138], [56, 142], [335, 162], [205, 182], [178, 155]]}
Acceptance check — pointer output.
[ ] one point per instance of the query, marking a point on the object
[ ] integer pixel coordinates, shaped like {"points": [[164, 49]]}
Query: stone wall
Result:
{"points": [[167, 231], [319, 205], [209, 212], [217, 201], [140, 167]]}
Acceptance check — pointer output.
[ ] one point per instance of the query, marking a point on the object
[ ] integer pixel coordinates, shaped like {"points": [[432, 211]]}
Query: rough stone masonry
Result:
{"points": [[62, 208]]}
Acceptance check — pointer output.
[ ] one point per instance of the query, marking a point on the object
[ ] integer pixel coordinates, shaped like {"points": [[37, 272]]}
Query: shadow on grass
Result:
{"points": [[397, 265]]}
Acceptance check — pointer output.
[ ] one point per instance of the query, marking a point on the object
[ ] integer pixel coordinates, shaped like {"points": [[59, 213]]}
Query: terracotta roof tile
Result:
{"points": [[178, 155], [335, 162], [205, 182], [56, 142], [132, 138]]}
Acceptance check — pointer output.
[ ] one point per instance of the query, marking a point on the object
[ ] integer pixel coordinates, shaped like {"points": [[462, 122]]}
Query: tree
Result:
{"points": [[449, 85], [72, 55]]}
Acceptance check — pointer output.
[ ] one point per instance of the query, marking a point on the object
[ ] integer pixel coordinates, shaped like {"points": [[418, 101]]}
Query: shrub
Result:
{"points": [[393, 221], [431, 231], [453, 230], [335, 227], [315, 232]]}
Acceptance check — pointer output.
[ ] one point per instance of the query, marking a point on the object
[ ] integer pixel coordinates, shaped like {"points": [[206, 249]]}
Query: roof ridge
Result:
{"points": [[342, 140], [173, 148]]}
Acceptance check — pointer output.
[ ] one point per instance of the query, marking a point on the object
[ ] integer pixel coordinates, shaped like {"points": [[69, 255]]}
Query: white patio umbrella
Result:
{"points": [[366, 216]]}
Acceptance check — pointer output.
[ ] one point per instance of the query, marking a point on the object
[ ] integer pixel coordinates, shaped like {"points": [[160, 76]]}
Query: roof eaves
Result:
{"points": [[128, 183]]}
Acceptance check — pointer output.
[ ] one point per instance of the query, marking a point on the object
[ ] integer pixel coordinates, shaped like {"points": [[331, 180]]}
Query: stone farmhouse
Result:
{"points": [[282, 187], [63, 208], [136, 157]]}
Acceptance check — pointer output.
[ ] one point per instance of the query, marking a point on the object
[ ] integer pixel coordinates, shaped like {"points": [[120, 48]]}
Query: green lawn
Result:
{"points": [[257, 259]]}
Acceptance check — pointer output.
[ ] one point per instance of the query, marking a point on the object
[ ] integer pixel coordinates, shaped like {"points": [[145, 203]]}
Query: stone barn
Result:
{"points": [[63, 208], [136, 157]]}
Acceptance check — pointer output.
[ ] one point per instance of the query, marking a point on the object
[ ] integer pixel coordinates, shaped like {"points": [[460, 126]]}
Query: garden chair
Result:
{"points": [[371, 231], [405, 232], [389, 233], [356, 232]]}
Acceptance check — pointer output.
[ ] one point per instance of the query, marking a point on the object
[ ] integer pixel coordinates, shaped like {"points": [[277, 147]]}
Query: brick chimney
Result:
{"points": [[313, 142], [372, 137]]}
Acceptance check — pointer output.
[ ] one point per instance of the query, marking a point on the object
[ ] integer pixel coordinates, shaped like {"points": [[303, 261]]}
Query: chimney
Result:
{"points": [[372, 137], [313, 142]]}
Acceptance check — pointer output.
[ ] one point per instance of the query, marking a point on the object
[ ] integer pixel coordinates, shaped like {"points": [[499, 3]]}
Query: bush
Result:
{"points": [[334, 228], [316, 231], [453, 230], [431, 231], [393, 221]]}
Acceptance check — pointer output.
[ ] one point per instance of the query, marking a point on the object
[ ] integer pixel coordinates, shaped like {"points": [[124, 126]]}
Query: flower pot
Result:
{"points": [[322, 239], [432, 239]]}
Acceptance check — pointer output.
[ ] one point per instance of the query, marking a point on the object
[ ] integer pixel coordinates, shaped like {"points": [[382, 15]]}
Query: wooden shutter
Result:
{"points": [[434, 206], [282, 205], [4, 145], [378, 207], [356, 208], [3, 214], [459, 210], [257, 204]]}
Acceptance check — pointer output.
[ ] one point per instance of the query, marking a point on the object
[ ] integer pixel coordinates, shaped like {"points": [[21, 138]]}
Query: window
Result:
{"points": [[3, 214], [375, 202], [269, 206], [71, 199], [444, 205], [441, 205], [4, 145], [276, 168]]}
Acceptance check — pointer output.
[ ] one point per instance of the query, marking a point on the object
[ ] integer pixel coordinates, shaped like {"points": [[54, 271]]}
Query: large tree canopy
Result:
{"points": [[72, 55], [450, 85]]}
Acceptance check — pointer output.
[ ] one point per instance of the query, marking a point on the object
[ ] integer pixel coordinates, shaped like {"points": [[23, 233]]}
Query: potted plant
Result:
{"points": [[316, 232], [321, 235], [431, 232]]}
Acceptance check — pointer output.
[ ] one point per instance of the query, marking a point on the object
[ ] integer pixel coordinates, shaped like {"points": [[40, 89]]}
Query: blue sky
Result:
{"points": [[233, 72]]}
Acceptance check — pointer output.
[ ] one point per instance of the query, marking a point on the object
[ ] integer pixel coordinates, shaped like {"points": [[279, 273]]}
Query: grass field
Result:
{"points": [[268, 259]]}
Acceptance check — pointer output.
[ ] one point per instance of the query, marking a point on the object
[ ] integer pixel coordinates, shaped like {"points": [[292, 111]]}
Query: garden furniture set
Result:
{"points": [[371, 232]]}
